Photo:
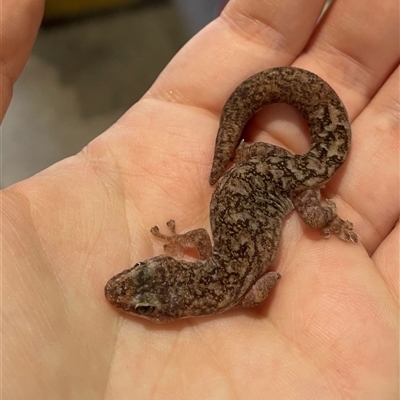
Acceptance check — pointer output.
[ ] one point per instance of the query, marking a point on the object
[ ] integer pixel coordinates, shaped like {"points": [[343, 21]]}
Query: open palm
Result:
{"points": [[329, 329]]}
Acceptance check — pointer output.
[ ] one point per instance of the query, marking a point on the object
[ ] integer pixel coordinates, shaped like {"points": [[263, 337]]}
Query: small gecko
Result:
{"points": [[247, 207]]}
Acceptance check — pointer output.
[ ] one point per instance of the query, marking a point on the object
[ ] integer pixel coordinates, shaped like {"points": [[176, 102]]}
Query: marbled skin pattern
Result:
{"points": [[247, 207]]}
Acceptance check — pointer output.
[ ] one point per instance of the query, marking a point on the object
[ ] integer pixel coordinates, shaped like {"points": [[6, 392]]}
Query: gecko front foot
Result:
{"points": [[178, 243], [172, 247]]}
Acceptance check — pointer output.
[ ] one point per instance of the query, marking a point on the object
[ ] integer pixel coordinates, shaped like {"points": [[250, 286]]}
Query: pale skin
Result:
{"points": [[330, 328]]}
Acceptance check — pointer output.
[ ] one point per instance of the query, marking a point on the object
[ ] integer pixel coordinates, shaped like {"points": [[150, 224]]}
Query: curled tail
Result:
{"points": [[317, 102]]}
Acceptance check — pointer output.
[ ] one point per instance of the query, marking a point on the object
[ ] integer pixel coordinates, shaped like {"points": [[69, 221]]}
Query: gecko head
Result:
{"points": [[144, 290]]}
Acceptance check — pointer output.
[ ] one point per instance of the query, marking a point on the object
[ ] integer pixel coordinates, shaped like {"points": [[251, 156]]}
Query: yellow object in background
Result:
{"points": [[60, 9]]}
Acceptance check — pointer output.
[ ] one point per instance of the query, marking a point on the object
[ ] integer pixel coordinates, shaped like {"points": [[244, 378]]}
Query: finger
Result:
{"points": [[372, 186], [355, 48], [20, 20], [386, 259], [249, 36]]}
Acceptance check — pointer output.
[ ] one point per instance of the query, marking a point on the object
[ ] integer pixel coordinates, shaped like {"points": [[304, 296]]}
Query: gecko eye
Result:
{"points": [[144, 309]]}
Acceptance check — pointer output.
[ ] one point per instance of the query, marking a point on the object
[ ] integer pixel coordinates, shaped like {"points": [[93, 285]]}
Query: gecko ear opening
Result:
{"points": [[144, 309]]}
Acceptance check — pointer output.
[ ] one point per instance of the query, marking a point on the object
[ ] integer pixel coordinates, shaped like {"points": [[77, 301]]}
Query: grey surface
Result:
{"points": [[80, 78], [198, 13]]}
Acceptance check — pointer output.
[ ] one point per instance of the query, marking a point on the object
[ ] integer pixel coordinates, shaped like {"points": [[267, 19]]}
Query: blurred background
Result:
{"points": [[92, 60]]}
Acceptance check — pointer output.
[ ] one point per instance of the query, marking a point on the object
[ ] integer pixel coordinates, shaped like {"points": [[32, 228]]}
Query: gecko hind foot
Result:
{"points": [[343, 229], [315, 215]]}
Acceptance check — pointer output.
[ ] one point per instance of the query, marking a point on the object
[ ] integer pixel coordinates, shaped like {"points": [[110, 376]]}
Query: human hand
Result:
{"points": [[330, 327]]}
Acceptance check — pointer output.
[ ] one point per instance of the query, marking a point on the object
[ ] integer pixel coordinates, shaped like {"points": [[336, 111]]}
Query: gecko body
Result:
{"points": [[247, 207]]}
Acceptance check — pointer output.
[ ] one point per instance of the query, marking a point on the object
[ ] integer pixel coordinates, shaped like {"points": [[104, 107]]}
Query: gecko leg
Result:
{"points": [[260, 289], [308, 205], [307, 202], [178, 243]]}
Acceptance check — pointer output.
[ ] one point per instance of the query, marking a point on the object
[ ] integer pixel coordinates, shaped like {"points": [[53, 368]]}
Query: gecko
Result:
{"points": [[247, 207]]}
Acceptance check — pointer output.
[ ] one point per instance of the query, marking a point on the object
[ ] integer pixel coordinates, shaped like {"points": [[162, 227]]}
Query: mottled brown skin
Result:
{"points": [[247, 207]]}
